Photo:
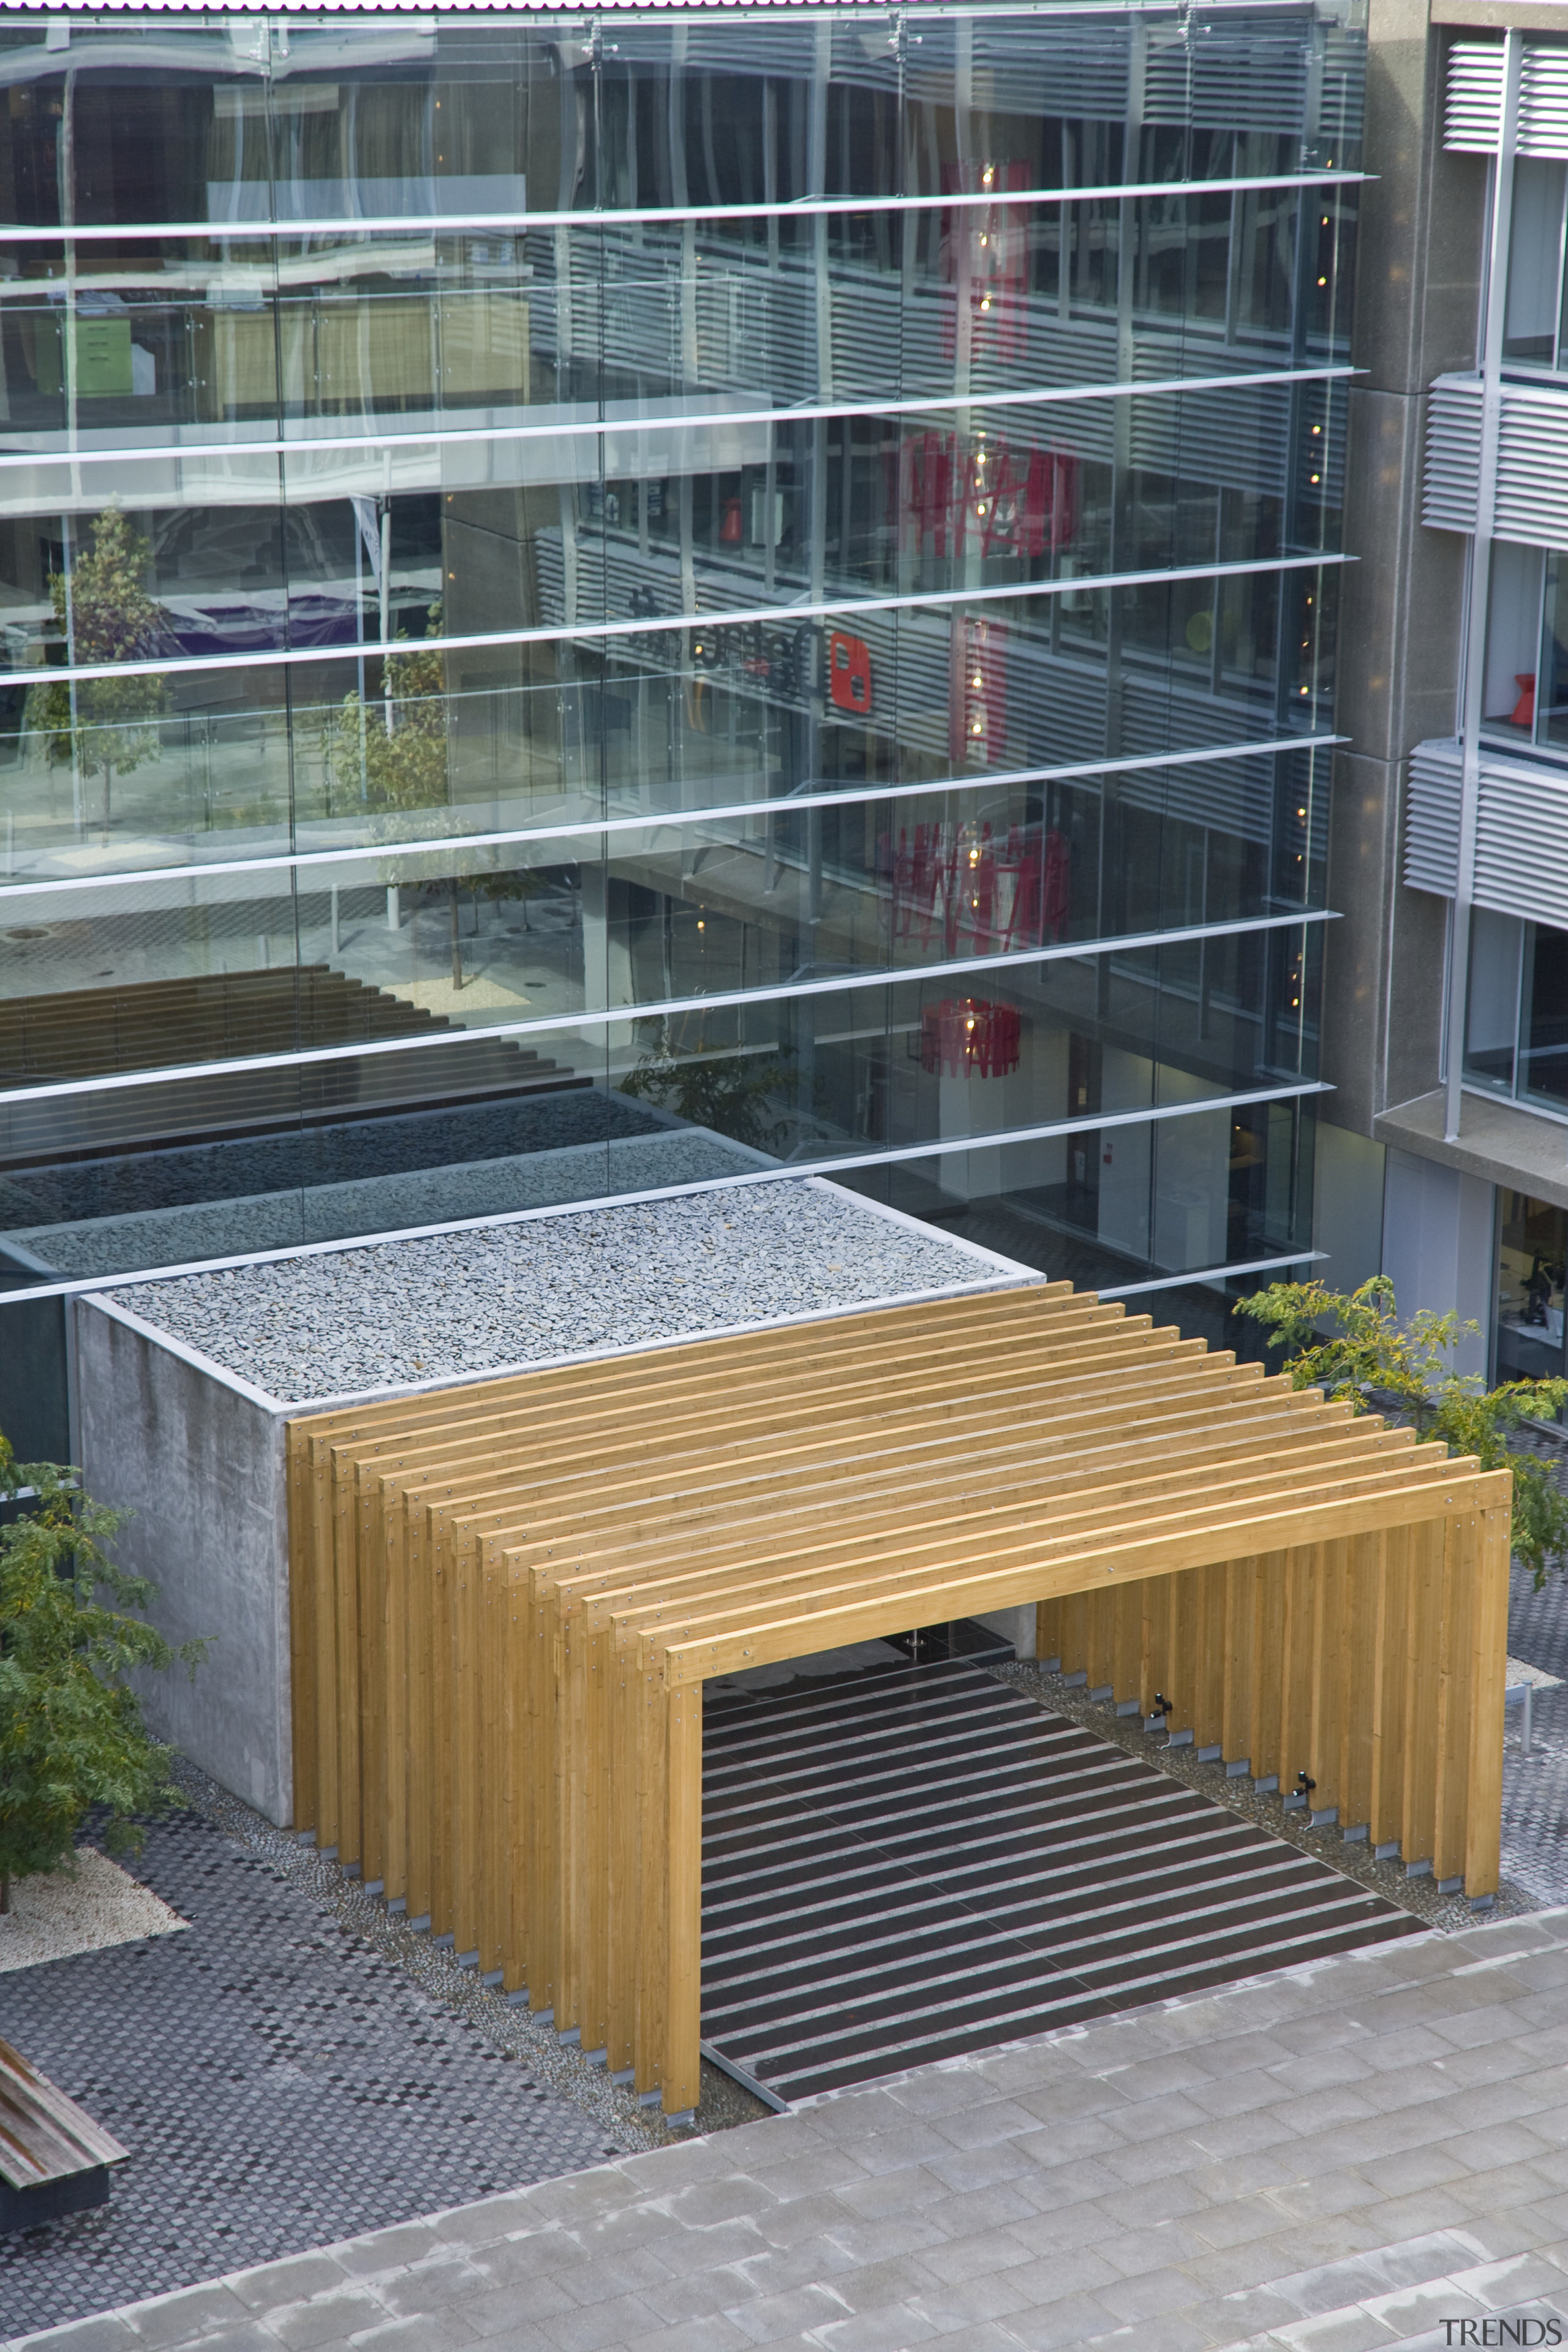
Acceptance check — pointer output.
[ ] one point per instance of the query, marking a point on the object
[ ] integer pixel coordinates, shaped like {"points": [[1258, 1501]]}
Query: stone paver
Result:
{"points": [[1075, 2192]]}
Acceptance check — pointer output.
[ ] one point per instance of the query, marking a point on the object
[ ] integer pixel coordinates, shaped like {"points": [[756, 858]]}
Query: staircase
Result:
{"points": [[905, 1862], [231, 1016]]}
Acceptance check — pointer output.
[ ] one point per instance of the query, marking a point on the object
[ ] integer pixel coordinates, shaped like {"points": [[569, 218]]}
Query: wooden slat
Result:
{"points": [[511, 1594], [1489, 1635], [1389, 1747], [44, 2135]]}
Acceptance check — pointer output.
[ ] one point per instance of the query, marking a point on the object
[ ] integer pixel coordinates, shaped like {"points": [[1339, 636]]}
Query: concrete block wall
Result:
{"points": [[196, 1455]]}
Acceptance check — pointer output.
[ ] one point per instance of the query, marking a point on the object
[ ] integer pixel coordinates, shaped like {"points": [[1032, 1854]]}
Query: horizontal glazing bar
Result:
{"points": [[802, 208], [839, 796], [557, 429], [585, 632], [1215, 1272], [846, 1163], [593, 1017]]}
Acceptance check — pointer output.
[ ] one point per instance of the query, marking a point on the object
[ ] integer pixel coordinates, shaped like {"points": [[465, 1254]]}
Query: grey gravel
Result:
{"points": [[400, 1312]]}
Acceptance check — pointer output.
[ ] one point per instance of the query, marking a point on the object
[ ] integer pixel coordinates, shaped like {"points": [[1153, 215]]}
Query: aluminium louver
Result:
{"points": [[1532, 461], [1522, 834], [1472, 118], [1432, 819]]}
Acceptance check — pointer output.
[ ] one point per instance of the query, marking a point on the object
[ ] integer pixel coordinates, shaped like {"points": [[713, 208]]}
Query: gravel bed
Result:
{"points": [[483, 1188], [85, 1907], [412, 1311]]}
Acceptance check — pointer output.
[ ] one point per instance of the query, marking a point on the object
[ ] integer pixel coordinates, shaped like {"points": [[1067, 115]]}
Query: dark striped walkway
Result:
{"points": [[906, 1861]]}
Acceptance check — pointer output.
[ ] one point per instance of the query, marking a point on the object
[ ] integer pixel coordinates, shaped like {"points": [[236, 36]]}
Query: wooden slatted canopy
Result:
{"points": [[506, 1599]]}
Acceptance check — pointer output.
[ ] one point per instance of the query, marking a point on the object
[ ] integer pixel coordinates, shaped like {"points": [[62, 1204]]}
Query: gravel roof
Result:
{"points": [[396, 1313]]}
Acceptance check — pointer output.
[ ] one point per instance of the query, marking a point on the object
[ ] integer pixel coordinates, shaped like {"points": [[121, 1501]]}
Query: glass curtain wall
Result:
{"points": [[595, 601]]}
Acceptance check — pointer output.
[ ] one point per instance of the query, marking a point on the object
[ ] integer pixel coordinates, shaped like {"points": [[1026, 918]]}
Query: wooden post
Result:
{"points": [[1462, 1561], [1423, 1668], [1210, 1591], [1329, 1667], [682, 2070], [1239, 1640], [1269, 1703], [1360, 1636], [1484, 1810], [1100, 1654], [652, 1709]]}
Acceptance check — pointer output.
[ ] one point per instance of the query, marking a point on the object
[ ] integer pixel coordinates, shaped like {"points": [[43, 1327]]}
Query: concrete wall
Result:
{"points": [[1438, 1240], [200, 1464], [1015, 1625]]}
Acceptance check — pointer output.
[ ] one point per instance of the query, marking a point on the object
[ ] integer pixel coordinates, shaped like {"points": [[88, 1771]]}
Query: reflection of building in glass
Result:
{"points": [[1447, 1018], [570, 578]]}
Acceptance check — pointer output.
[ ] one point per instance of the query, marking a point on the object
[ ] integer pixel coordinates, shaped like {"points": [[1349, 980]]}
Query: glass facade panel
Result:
{"points": [[595, 601], [1532, 1258], [1517, 1030], [401, 1119]]}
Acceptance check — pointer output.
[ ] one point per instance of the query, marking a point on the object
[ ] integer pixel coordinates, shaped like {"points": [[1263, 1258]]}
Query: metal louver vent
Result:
{"points": [[1472, 117], [1473, 114], [1522, 834], [1452, 475], [1532, 461], [1432, 819]]}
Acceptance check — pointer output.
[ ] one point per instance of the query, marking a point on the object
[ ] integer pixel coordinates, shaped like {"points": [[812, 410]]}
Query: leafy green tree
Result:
{"points": [[402, 765], [1354, 1345], [728, 1092], [72, 1736], [105, 613]]}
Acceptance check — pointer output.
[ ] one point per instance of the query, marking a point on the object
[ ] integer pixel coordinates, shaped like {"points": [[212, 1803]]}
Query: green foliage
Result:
{"points": [[105, 614], [725, 1091], [1369, 1351], [71, 1735], [403, 767]]}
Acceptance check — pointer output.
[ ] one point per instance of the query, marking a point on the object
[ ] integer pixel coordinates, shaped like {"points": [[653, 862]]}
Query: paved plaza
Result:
{"points": [[1345, 2157], [1342, 2157]]}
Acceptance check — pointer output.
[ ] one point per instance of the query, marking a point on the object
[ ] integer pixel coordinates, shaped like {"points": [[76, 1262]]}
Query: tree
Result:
{"points": [[1369, 1351], [104, 612], [724, 1091], [392, 753], [72, 1733]]}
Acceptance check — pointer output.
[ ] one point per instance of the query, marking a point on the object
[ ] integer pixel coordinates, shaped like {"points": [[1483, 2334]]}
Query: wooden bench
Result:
{"points": [[54, 2159]]}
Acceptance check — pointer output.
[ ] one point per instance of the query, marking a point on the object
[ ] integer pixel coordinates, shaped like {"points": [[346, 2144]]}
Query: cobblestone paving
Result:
{"points": [[279, 2085], [1535, 1787], [1335, 2159]]}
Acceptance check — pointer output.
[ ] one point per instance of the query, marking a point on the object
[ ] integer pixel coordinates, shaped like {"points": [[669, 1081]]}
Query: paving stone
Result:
{"points": [[970, 2302], [1074, 2320], [891, 2192], [768, 2317], [598, 2326], [1149, 2297], [698, 2294], [328, 2318], [1334, 2331], [891, 2329]]}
